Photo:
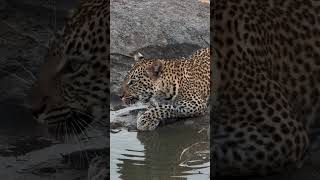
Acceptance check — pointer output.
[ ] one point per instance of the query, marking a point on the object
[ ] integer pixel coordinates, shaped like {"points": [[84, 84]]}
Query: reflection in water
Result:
{"points": [[170, 151], [16, 122]]}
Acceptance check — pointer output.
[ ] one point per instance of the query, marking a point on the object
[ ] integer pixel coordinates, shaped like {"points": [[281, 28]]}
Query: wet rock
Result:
{"points": [[26, 27], [81, 159], [136, 24], [115, 125], [25, 145], [47, 170], [189, 122]]}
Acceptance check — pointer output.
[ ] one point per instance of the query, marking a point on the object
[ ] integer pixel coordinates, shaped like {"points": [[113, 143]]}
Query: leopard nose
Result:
{"points": [[123, 95], [37, 111]]}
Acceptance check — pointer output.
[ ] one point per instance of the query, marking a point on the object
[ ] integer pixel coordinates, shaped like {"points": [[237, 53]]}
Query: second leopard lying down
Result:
{"points": [[179, 87]]}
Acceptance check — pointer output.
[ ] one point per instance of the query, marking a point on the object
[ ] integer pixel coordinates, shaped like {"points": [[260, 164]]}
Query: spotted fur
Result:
{"points": [[179, 87], [72, 86], [266, 84]]}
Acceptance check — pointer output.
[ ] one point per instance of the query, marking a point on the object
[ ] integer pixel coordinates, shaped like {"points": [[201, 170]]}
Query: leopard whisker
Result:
{"points": [[91, 117], [57, 131], [85, 123], [84, 134], [77, 140], [67, 135], [80, 126], [89, 126], [88, 115], [69, 141], [81, 145]]}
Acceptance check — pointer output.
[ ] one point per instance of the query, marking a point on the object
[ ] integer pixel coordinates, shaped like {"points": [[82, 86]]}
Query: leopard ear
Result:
{"points": [[154, 70], [138, 56]]}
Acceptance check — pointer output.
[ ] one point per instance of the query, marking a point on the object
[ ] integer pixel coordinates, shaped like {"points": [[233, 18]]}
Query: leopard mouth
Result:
{"points": [[130, 100]]}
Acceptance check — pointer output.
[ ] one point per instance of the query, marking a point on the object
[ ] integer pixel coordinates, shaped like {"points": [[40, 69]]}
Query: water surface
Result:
{"points": [[174, 151], [29, 152]]}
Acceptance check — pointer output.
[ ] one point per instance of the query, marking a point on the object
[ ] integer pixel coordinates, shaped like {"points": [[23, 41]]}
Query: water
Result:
{"points": [[158, 154], [29, 152]]}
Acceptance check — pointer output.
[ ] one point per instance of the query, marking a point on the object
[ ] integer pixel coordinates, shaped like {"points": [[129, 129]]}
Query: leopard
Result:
{"points": [[72, 87], [264, 81], [175, 88], [73, 81], [265, 85]]}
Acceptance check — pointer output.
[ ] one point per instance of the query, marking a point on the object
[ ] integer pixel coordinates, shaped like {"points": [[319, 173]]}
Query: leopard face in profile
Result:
{"points": [[72, 85], [72, 88], [266, 84], [176, 87]]}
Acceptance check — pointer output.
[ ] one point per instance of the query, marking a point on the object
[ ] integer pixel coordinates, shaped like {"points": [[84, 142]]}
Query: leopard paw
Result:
{"points": [[145, 122]]}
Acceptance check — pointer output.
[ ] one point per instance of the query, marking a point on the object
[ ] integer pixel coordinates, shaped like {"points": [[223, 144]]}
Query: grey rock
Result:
{"points": [[26, 27], [160, 28], [140, 23]]}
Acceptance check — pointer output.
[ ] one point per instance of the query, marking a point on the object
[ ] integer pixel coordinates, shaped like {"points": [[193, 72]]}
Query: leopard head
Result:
{"points": [[139, 83], [69, 89]]}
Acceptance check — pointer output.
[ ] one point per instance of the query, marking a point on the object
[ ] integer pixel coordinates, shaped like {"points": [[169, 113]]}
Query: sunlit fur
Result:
{"points": [[175, 88]]}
